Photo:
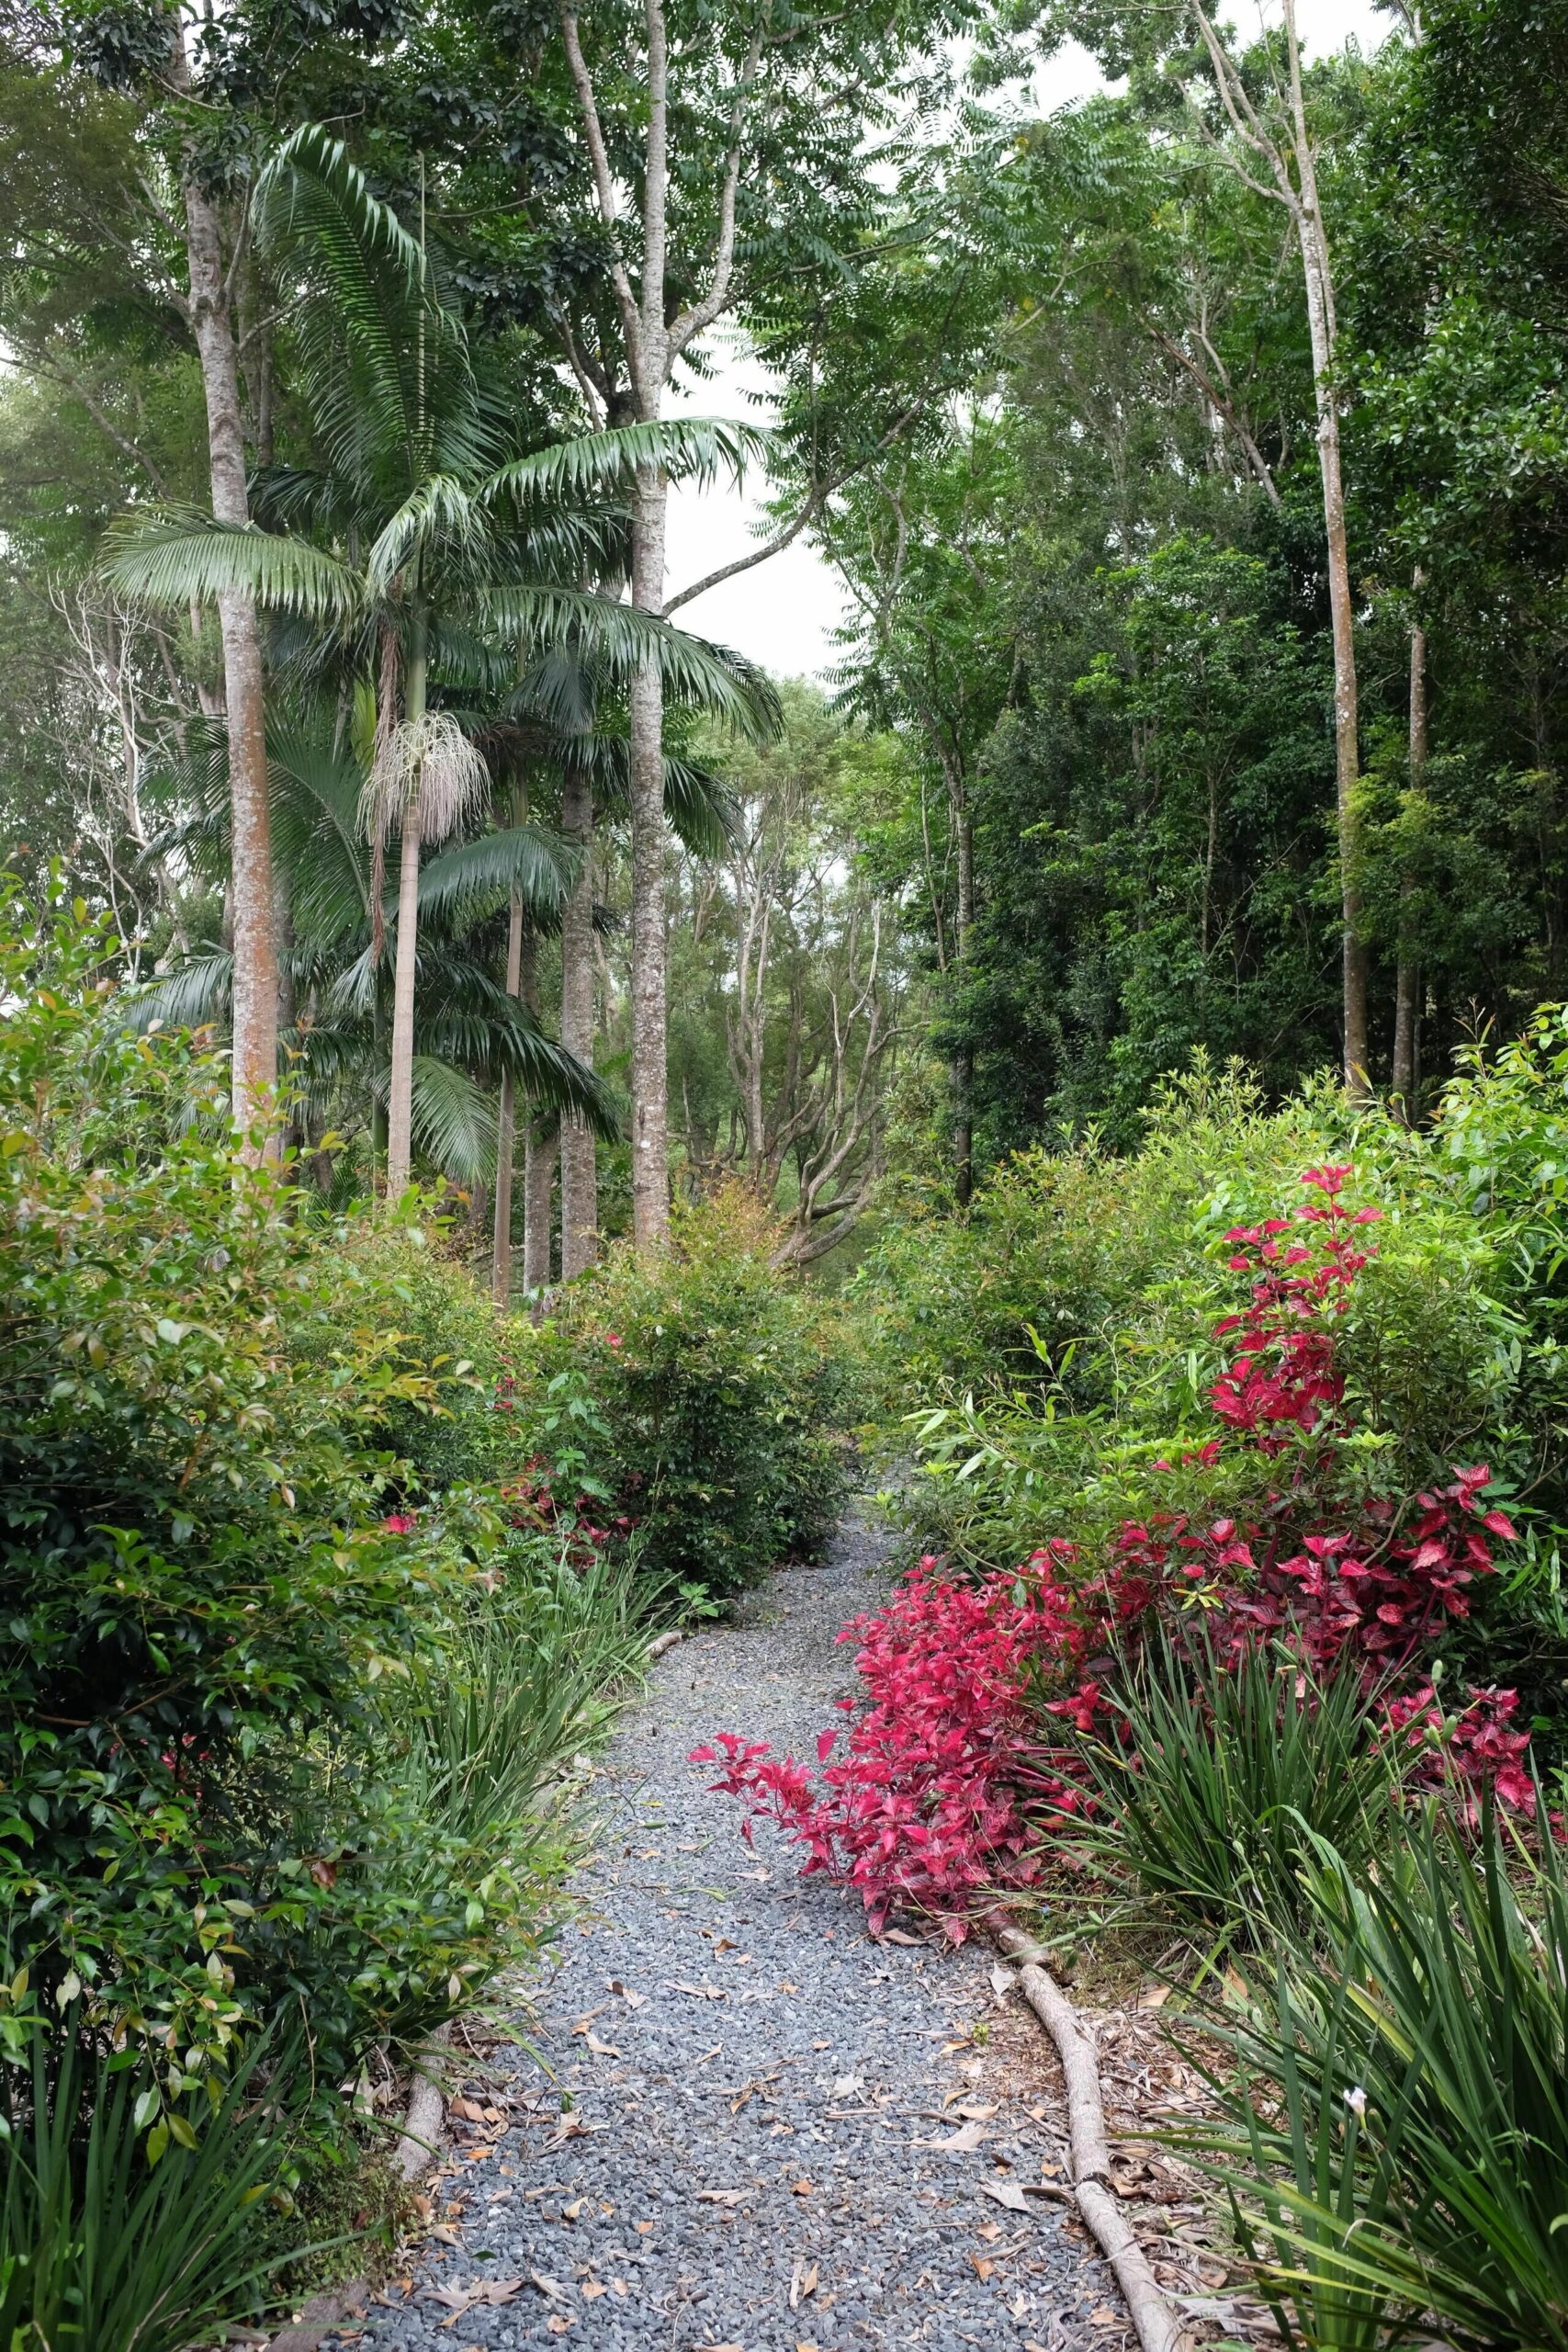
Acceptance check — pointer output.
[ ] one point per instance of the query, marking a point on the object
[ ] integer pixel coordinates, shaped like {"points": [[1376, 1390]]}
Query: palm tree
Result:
{"points": [[418, 546], [470, 1036]]}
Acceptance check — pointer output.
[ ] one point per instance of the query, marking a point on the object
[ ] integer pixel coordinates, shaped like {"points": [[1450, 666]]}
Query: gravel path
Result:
{"points": [[733, 2083]]}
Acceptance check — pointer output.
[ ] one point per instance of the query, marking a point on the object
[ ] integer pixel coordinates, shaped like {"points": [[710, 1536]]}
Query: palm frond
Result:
{"points": [[700, 449], [453, 1120], [368, 292], [438, 514], [700, 806], [176, 555], [473, 878], [695, 672], [195, 995]]}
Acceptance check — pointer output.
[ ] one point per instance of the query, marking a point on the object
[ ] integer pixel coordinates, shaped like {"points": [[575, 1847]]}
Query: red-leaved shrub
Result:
{"points": [[946, 1789]]}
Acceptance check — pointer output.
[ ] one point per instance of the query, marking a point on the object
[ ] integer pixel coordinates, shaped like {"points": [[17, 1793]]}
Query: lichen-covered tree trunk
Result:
{"points": [[578, 1169], [254, 1065]]}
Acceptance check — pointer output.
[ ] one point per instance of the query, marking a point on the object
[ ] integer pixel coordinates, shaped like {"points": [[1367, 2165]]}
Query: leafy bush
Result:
{"points": [[205, 1591], [929, 1805], [701, 1394], [1397, 2116], [402, 1281]]}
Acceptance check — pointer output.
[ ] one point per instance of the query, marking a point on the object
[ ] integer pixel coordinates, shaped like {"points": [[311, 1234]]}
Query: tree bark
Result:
{"points": [[399, 1092], [1300, 197], [506, 1115], [578, 1169], [254, 1021], [1315, 263], [651, 1106], [541, 1148], [1406, 988], [963, 927]]}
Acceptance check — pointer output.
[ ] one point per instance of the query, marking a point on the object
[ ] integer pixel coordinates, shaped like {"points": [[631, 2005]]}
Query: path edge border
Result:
{"points": [[1155, 2319]]}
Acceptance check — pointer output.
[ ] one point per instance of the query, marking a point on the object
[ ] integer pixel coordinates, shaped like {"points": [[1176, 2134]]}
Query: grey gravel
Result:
{"points": [[823, 2060]]}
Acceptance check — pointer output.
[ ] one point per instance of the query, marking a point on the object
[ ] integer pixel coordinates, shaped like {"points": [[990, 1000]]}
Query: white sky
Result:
{"points": [[783, 612]]}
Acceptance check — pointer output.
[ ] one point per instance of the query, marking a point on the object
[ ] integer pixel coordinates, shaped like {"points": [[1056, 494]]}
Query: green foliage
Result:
{"points": [[113, 2239], [527, 1676], [207, 1817], [402, 1281], [1227, 1775], [1396, 2121], [718, 1393]]}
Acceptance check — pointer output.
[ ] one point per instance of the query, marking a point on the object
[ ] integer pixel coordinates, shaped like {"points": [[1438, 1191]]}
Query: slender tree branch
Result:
{"points": [[592, 129], [1221, 407], [691, 322]]}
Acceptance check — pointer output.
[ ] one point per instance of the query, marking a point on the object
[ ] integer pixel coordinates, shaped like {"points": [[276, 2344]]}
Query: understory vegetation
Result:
{"points": [[321, 1583], [1235, 1469]]}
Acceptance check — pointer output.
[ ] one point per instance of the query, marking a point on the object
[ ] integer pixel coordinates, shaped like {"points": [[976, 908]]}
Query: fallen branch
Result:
{"points": [[424, 2123], [1157, 2327], [665, 1642]]}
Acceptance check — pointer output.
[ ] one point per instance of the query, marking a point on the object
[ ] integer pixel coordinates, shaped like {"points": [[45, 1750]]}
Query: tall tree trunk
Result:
{"points": [[540, 1150], [507, 1118], [650, 1107], [964, 926], [1315, 263], [579, 1170], [1406, 988], [400, 1096], [254, 1068]]}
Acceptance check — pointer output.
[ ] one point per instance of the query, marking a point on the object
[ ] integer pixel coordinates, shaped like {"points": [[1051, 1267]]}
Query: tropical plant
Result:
{"points": [[1397, 2115], [1221, 1776], [470, 1030], [421, 542]]}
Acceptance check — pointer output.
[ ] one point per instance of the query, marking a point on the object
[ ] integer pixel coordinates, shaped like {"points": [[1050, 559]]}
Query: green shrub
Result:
{"points": [[402, 1281], [1411, 2063], [1228, 1773], [701, 1393], [203, 1589]]}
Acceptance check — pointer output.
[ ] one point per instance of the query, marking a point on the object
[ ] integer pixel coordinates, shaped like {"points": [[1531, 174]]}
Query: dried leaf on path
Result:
{"points": [[964, 2142], [490, 2292]]}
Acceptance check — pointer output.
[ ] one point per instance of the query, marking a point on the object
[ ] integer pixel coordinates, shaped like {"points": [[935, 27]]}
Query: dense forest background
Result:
{"points": [[1075, 806]]}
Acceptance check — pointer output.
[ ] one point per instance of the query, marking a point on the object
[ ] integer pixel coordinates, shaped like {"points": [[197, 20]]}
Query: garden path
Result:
{"points": [[722, 2135]]}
